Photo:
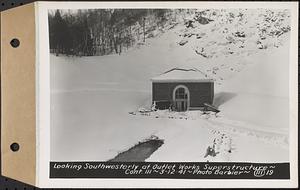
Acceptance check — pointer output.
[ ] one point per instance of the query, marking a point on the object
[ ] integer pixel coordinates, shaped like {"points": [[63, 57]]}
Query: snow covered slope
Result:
{"points": [[261, 91], [91, 98]]}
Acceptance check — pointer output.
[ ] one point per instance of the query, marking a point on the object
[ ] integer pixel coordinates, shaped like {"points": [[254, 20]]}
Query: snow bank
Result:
{"points": [[260, 92]]}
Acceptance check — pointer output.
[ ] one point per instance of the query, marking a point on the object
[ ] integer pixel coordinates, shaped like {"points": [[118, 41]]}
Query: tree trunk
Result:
{"points": [[120, 43], [116, 44], [144, 30]]}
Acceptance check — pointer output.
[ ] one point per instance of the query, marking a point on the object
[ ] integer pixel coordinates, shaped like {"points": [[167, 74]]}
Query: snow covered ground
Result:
{"points": [[91, 98]]}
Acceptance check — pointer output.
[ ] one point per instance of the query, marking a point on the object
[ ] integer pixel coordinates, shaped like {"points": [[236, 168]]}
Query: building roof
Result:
{"points": [[182, 75]]}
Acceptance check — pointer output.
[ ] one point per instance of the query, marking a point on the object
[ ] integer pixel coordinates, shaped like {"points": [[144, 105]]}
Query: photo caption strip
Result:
{"points": [[170, 170]]}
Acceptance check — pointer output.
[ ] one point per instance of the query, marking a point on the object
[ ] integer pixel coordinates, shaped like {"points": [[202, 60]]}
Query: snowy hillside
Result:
{"points": [[235, 32], [245, 51]]}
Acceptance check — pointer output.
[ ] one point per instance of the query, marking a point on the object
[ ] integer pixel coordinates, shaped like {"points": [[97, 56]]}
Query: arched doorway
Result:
{"points": [[181, 98]]}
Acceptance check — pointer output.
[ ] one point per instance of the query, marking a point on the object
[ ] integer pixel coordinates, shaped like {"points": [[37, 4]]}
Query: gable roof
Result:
{"points": [[182, 75]]}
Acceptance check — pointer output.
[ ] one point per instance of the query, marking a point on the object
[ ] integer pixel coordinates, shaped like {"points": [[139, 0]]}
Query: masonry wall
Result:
{"points": [[200, 92]]}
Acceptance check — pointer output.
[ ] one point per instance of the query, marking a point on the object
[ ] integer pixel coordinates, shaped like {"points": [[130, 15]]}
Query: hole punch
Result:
{"points": [[14, 147], [15, 43]]}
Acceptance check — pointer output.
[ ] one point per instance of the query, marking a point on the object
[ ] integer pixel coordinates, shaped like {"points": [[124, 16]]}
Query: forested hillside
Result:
{"points": [[209, 33], [103, 31]]}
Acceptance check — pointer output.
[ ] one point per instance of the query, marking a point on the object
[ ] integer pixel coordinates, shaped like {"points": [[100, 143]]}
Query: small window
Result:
{"points": [[180, 94]]}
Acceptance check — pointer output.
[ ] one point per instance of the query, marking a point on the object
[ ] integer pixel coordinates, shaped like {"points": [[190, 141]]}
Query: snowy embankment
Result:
{"points": [[91, 98]]}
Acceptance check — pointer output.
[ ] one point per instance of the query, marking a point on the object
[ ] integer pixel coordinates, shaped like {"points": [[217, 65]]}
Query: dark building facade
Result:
{"points": [[182, 90]]}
